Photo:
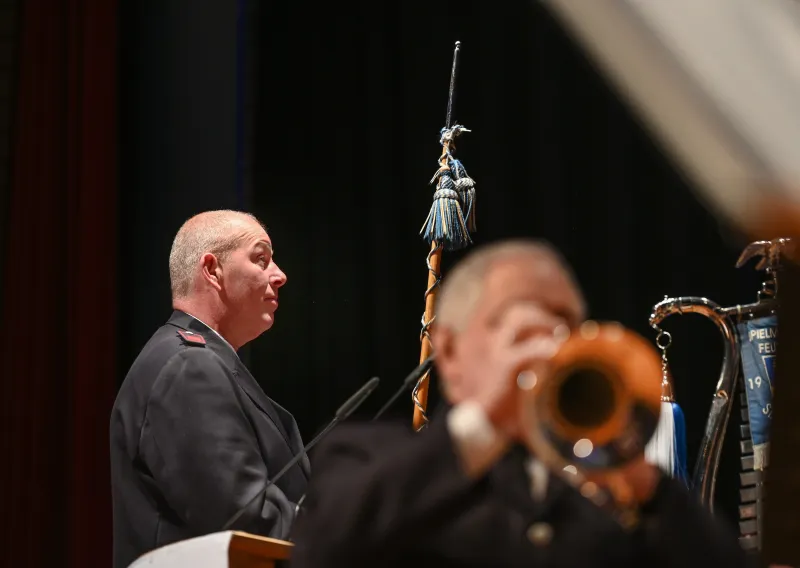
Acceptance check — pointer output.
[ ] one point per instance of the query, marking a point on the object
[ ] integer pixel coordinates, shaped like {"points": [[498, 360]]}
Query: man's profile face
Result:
{"points": [[524, 279], [250, 282]]}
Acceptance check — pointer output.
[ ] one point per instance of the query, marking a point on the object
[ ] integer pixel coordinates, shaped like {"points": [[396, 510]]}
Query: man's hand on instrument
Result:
{"points": [[524, 338]]}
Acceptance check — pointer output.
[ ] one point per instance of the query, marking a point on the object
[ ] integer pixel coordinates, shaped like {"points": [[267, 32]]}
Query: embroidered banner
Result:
{"points": [[758, 344]]}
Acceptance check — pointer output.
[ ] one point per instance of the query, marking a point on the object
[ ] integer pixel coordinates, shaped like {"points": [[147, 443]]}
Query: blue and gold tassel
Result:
{"points": [[452, 215]]}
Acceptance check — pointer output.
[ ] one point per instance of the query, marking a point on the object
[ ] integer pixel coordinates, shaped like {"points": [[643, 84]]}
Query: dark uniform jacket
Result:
{"points": [[193, 439], [388, 497]]}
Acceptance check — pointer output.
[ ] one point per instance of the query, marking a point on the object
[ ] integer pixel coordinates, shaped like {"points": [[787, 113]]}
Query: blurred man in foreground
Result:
{"points": [[193, 435], [461, 493]]}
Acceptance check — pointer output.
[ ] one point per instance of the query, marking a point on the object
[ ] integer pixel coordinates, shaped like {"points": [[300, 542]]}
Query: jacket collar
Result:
{"points": [[182, 320]]}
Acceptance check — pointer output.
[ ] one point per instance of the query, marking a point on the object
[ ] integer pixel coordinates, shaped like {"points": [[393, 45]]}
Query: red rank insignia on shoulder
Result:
{"points": [[191, 337]]}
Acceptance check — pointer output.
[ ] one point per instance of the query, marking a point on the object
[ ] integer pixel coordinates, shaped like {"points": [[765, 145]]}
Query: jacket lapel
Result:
{"points": [[243, 377], [514, 485], [259, 397], [276, 413], [295, 439]]}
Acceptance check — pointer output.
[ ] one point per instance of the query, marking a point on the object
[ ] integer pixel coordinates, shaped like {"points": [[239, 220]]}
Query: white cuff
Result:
{"points": [[477, 442]]}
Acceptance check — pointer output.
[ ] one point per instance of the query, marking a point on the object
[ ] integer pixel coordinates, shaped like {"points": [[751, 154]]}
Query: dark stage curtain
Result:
{"points": [[182, 151], [9, 32], [350, 102], [59, 304]]}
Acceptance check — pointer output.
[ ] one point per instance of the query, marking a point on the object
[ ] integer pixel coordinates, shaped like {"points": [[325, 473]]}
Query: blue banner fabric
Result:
{"points": [[758, 345]]}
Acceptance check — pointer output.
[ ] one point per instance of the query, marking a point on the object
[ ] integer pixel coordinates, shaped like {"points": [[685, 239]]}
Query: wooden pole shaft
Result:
{"points": [[434, 276]]}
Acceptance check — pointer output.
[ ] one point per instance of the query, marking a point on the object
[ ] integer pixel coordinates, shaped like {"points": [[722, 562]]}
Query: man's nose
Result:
{"points": [[278, 278]]}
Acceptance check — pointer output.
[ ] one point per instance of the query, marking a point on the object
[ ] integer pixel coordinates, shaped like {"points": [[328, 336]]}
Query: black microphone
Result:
{"points": [[408, 383], [341, 414]]}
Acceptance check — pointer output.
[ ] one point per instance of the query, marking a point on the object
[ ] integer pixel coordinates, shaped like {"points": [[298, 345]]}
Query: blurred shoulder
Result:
{"points": [[363, 438]]}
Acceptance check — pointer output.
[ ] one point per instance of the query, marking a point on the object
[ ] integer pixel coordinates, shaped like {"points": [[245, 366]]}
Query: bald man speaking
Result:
{"points": [[193, 435]]}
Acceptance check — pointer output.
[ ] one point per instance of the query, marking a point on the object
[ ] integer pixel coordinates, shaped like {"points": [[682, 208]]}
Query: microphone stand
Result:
{"points": [[408, 383]]}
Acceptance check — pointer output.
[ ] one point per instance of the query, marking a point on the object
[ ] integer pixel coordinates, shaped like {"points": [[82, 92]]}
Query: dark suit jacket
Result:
{"points": [[385, 496], [194, 438]]}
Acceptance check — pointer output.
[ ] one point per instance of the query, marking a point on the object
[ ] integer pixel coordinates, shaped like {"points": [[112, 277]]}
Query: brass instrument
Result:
{"points": [[595, 410]]}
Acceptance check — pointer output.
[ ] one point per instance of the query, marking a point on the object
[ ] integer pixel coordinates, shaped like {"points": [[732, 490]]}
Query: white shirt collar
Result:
{"points": [[538, 476], [216, 332]]}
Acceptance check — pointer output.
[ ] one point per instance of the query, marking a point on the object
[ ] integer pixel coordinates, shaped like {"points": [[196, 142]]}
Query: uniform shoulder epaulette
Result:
{"points": [[192, 338]]}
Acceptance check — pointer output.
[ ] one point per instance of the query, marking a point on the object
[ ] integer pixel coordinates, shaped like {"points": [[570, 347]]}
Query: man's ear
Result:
{"points": [[211, 270], [444, 346], [443, 340]]}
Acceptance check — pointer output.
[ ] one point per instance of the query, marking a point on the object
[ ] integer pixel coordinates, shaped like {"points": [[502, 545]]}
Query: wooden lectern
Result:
{"points": [[220, 550]]}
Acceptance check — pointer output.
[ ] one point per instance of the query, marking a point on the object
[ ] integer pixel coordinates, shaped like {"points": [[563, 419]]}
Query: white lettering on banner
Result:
{"points": [[763, 333], [767, 348]]}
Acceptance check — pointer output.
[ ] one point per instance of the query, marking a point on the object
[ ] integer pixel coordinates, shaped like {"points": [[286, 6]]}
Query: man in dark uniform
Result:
{"points": [[193, 435], [464, 492]]}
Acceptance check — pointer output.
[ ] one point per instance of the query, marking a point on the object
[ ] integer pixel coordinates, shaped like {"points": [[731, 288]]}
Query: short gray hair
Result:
{"points": [[462, 287], [212, 232]]}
